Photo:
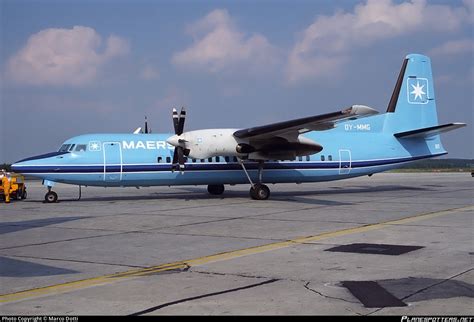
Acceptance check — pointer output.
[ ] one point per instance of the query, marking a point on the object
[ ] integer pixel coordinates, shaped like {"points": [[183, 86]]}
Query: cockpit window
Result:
{"points": [[71, 147], [81, 147], [64, 147]]}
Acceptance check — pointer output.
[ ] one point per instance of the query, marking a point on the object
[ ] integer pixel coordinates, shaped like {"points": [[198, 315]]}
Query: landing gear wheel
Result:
{"points": [[259, 192], [51, 197], [215, 189], [24, 195]]}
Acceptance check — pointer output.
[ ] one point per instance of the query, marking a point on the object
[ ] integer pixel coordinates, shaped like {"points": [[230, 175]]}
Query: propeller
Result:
{"points": [[179, 150]]}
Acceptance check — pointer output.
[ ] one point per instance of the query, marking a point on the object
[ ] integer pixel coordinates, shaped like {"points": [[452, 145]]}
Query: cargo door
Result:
{"points": [[345, 161]]}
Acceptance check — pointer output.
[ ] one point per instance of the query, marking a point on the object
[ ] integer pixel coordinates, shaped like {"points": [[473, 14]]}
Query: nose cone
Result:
{"points": [[28, 164], [173, 140], [16, 167], [21, 166]]}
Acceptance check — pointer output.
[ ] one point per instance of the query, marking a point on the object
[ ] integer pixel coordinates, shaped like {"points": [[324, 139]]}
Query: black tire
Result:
{"points": [[215, 189], [51, 197], [260, 192], [24, 195], [19, 195]]}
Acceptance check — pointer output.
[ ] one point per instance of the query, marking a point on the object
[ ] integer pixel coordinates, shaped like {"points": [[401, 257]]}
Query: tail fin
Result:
{"points": [[412, 105], [411, 114]]}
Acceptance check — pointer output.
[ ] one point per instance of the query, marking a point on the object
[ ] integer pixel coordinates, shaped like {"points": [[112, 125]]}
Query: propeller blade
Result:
{"points": [[178, 159], [175, 159], [181, 159], [179, 152], [146, 125], [175, 121], [181, 119]]}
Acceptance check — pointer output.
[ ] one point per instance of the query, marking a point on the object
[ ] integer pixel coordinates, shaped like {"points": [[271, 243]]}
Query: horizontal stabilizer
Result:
{"points": [[429, 131]]}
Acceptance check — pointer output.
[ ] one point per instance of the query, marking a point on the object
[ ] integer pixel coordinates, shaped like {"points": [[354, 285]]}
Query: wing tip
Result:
{"points": [[360, 110]]}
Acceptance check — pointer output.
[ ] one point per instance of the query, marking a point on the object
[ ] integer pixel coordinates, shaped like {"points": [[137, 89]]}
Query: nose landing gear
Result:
{"points": [[51, 196]]}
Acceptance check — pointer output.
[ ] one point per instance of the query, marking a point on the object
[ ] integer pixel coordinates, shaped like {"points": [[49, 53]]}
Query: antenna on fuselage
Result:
{"points": [[146, 126]]}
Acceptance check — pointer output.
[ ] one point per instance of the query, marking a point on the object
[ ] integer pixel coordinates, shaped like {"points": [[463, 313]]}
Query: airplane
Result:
{"points": [[351, 142]]}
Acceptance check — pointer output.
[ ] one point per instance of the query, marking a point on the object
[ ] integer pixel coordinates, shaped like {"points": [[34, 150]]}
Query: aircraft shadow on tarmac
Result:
{"points": [[198, 193], [11, 227], [10, 267]]}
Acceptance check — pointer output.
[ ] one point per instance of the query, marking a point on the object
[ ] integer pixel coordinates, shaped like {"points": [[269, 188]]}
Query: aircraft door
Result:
{"points": [[345, 161], [112, 161]]}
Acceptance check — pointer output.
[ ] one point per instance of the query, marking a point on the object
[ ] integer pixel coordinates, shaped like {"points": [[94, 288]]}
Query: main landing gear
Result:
{"points": [[215, 189], [258, 191]]}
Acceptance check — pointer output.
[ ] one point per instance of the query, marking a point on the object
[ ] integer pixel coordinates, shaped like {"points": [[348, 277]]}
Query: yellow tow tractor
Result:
{"points": [[15, 185]]}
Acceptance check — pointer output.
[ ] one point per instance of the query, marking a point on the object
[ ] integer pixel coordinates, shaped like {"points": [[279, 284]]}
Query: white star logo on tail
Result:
{"points": [[418, 90]]}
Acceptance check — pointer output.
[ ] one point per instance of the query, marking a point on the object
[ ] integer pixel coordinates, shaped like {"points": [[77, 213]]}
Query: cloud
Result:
{"points": [[149, 73], [69, 57], [219, 46], [324, 46], [454, 47]]}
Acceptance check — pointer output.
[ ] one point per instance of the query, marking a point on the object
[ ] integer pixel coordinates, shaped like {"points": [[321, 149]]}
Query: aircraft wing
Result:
{"points": [[293, 128]]}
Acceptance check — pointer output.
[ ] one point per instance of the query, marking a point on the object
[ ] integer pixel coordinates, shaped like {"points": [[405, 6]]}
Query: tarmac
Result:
{"points": [[390, 244]]}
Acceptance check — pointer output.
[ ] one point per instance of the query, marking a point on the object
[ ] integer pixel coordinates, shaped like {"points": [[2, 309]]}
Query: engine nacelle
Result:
{"points": [[203, 144], [244, 148]]}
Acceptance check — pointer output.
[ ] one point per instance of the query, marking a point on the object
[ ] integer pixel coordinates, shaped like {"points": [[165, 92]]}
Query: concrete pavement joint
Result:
{"points": [[73, 261]]}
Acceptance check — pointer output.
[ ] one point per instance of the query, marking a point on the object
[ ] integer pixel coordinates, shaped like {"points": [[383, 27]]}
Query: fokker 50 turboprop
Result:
{"points": [[348, 143]]}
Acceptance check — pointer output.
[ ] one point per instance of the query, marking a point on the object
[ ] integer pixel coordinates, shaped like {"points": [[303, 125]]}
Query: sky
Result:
{"points": [[74, 67]]}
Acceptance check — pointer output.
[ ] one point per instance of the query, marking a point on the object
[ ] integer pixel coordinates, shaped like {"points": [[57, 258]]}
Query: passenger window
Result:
{"points": [[218, 159], [322, 157], [159, 159], [209, 160], [227, 159], [330, 157], [168, 159], [300, 158], [234, 159], [202, 160], [194, 160], [81, 147], [308, 158]]}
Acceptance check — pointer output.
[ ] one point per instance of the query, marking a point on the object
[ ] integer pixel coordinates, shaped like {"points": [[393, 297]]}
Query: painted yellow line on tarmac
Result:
{"points": [[107, 279]]}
